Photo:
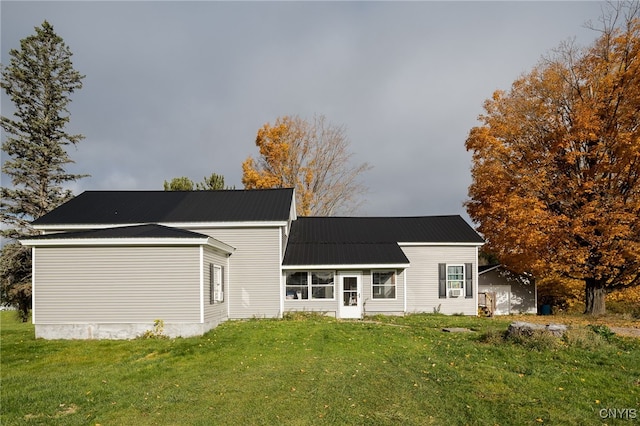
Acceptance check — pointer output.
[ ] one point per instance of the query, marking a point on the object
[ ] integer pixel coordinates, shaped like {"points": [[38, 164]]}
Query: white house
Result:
{"points": [[110, 263]]}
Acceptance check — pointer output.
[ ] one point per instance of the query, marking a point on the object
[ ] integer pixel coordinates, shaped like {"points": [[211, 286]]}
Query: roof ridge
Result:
{"points": [[182, 191]]}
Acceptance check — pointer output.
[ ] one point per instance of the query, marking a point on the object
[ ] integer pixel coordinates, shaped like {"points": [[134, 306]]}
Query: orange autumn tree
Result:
{"points": [[311, 156], [556, 165]]}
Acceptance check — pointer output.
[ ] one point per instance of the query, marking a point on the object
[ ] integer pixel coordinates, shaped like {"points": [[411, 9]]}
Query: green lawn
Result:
{"points": [[300, 371]]}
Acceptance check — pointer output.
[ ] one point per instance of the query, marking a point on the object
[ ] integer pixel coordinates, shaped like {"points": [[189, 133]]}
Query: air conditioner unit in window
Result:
{"points": [[456, 292]]}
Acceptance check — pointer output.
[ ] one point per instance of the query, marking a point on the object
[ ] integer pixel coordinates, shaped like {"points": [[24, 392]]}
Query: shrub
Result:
{"points": [[157, 332], [537, 340], [492, 337], [602, 330], [304, 315], [584, 338]]}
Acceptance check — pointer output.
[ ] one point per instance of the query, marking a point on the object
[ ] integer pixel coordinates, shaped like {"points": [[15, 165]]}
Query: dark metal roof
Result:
{"points": [[122, 232], [424, 229], [122, 207], [344, 254], [369, 240]]}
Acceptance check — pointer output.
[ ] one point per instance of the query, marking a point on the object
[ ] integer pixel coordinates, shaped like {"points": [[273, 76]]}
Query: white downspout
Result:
{"points": [[476, 280], [201, 284], [33, 285], [227, 289], [280, 280], [404, 283]]}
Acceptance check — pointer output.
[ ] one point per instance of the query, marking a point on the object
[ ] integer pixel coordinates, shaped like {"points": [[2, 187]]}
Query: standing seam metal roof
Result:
{"points": [[122, 207], [369, 240]]}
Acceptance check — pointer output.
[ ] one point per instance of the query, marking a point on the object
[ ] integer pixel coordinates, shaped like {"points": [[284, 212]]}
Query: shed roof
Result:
{"points": [[344, 254], [123, 207]]}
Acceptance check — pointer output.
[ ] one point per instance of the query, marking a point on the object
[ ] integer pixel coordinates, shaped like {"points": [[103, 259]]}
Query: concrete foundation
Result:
{"points": [[121, 331]]}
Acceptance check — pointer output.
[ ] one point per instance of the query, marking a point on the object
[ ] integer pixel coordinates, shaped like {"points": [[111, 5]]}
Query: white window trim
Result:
{"points": [[395, 284], [310, 286], [448, 281], [216, 283]]}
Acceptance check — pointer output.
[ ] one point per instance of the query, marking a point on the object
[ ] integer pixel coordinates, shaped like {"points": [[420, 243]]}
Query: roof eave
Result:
{"points": [[94, 242], [349, 266], [457, 244]]}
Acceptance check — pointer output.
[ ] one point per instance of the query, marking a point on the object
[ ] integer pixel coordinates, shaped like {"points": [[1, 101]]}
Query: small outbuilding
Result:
{"points": [[508, 292]]}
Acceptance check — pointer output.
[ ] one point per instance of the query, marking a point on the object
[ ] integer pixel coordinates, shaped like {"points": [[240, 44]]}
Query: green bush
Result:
{"points": [[603, 331]]}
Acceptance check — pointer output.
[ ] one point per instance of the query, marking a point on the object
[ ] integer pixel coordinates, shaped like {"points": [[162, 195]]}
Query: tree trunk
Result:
{"points": [[594, 293]]}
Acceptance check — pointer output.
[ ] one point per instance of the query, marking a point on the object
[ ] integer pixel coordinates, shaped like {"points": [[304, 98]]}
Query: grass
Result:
{"points": [[313, 370]]}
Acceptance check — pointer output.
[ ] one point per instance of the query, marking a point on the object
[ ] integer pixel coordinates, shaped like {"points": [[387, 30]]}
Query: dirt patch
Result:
{"points": [[626, 331], [65, 410]]}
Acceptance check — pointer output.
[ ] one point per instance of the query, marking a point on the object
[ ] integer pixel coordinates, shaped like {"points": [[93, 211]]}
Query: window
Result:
{"points": [[297, 286], [455, 280], [309, 285], [216, 283], [384, 284], [322, 285]]}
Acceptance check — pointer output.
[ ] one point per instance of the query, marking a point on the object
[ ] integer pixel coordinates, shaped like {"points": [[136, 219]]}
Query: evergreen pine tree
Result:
{"points": [[39, 80]]}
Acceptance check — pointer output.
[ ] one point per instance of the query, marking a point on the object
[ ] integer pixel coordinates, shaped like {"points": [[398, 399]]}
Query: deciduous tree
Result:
{"points": [[311, 156], [556, 164], [39, 81]]}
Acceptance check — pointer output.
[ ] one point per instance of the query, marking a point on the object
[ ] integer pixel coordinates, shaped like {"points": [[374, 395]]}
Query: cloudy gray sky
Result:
{"points": [[181, 88]]}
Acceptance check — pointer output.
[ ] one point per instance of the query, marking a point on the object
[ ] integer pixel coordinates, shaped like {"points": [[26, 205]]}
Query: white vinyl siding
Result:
{"points": [[252, 288], [117, 284], [383, 306], [422, 278]]}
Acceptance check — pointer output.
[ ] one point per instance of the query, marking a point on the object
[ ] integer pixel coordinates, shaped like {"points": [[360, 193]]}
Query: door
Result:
{"points": [[503, 299], [350, 295]]}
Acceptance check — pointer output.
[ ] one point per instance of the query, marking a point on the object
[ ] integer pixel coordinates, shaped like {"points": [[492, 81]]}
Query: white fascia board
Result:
{"points": [[129, 242], [217, 244], [206, 225], [184, 225], [346, 267], [414, 244], [83, 227]]}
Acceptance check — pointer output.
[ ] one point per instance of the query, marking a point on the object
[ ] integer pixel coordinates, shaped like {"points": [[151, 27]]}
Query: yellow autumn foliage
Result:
{"points": [[310, 156]]}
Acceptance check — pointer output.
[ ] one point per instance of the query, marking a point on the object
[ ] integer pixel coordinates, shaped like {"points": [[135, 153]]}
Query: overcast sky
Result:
{"points": [[181, 88]]}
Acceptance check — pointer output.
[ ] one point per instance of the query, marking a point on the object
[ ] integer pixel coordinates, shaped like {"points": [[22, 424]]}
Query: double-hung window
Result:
{"points": [[455, 280], [384, 284], [305, 285]]}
